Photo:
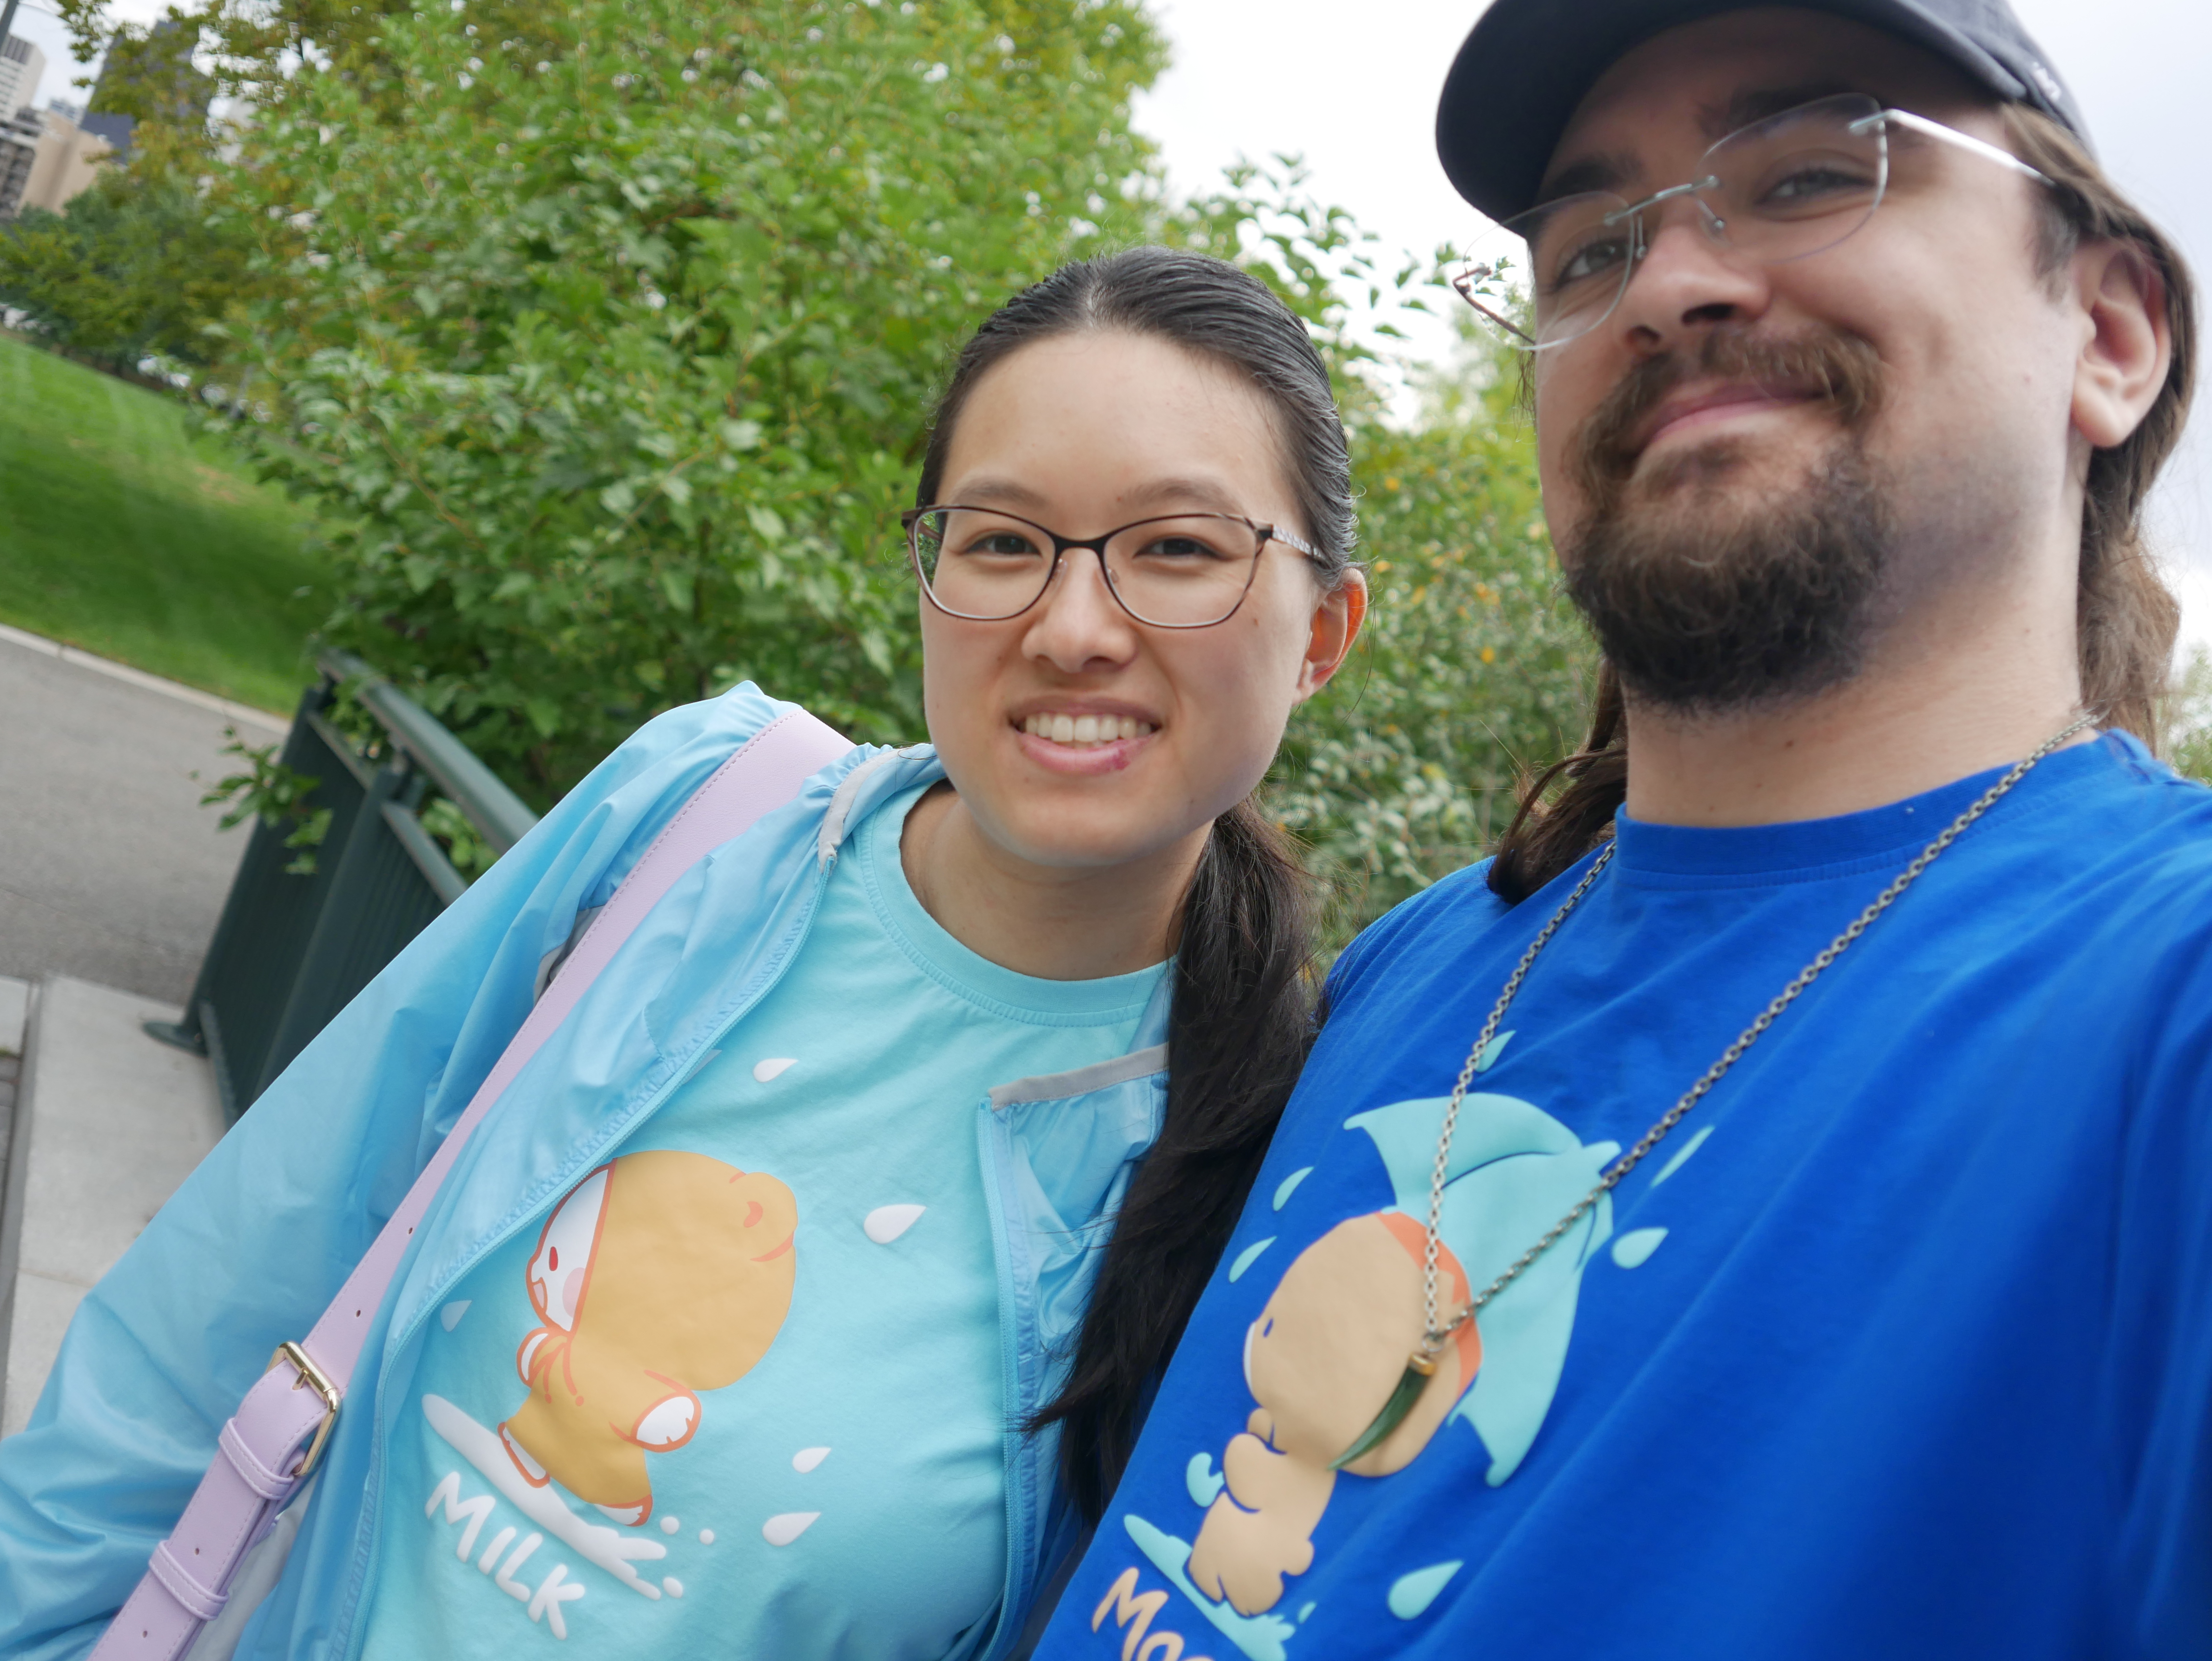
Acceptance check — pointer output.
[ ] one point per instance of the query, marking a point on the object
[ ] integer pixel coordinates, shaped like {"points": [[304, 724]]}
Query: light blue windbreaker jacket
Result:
{"points": [[257, 1241]]}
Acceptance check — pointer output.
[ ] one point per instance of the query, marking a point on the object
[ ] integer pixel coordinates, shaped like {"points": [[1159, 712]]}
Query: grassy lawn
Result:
{"points": [[123, 534]]}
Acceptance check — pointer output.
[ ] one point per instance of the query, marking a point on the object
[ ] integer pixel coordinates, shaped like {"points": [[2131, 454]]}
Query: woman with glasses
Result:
{"points": [[801, 1297]]}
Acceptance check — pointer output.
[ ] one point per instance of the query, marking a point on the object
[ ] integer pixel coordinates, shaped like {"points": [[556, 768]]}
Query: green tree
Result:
{"points": [[130, 268], [602, 338], [605, 355], [1472, 672], [2187, 717]]}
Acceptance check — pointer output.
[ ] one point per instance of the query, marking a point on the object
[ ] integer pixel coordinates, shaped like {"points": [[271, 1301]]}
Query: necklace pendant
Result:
{"points": [[1420, 1367]]}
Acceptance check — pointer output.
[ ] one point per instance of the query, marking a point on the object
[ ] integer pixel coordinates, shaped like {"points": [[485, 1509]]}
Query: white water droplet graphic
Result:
{"points": [[887, 1222], [774, 1064], [706, 1536], [1634, 1248], [669, 1525], [781, 1530], [671, 1585], [806, 1458], [450, 1317]]}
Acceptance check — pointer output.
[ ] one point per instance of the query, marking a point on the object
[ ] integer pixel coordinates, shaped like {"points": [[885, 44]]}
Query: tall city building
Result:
{"points": [[149, 76], [19, 157], [23, 65]]}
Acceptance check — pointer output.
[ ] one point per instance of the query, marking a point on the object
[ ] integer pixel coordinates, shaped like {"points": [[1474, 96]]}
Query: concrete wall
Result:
{"points": [[67, 159]]}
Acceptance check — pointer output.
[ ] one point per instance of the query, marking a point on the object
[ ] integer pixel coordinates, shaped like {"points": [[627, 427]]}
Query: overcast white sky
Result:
{"points": [[1353, 87]]}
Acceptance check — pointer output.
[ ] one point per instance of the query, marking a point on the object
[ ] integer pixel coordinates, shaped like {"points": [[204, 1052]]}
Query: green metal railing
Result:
{"points": [[292, 948]]}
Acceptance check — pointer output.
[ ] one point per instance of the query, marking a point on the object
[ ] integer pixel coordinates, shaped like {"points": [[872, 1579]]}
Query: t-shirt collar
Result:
{"points": [[1814, 846]]}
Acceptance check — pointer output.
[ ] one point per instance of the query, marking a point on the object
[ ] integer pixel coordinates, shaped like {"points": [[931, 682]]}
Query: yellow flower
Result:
{"points": [[1489, 655]]}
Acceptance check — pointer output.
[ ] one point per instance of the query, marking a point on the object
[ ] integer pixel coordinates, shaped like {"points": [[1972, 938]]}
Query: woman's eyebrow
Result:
{"points": [[1003, 491], [1011, 493], [1202, 490]]}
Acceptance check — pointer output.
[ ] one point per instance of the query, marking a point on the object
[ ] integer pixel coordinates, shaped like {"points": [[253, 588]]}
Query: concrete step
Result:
{"points": [[107, 1124]]}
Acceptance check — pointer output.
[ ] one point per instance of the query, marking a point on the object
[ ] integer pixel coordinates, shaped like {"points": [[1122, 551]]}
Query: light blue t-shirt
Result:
{"points": [[739, 1392]]}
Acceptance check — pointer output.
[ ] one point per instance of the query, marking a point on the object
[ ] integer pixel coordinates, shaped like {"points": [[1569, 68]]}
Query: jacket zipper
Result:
{"points": [[1021, 1524]]}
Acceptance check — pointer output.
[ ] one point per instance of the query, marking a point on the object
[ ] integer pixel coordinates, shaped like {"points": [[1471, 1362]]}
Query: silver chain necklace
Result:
{"points": [[1422, 1362]]}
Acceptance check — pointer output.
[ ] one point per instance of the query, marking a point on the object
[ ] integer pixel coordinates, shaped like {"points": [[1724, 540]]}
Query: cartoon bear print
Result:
{"points": [[1321, 1360], [660, 1275]]}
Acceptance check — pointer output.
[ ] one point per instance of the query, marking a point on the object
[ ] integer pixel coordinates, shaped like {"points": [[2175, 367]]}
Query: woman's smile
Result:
{"points": [[1084, 730], [1082, 737]]}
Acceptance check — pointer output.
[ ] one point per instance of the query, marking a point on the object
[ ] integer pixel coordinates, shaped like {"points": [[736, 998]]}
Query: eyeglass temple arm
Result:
{"points": [[1465, 283], [1936, 130]]}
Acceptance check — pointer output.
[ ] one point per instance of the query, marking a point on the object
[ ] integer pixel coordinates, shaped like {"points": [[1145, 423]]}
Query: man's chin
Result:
{"points": [[1685, 523], [1730, 479], [1716, 588]]}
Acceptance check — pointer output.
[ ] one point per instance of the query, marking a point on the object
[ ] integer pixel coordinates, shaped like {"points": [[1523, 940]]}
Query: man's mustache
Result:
{"points": [[1842, 371]]}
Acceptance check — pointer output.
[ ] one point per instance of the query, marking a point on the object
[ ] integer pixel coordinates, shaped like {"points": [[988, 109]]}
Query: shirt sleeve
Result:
{"points": [[1375, 945], [2158, 1426]]}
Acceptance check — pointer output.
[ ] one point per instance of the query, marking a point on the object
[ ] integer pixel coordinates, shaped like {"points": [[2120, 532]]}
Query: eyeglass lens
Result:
{"points": [[1793, 185], [1183, 572]]}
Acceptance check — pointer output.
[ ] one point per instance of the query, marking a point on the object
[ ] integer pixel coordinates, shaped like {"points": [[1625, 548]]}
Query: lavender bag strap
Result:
{"points": [[271, 1445]]}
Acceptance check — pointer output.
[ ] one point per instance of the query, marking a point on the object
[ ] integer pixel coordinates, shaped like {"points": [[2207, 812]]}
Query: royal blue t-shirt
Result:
{"points": [[1900, 1345]]}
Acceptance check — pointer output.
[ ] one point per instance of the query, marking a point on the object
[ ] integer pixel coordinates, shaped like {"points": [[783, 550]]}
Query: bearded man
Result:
{"points": [[1767, 1210]]}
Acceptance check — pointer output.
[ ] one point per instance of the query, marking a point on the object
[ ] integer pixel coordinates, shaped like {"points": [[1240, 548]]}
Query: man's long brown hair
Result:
{"points": [[2125, 616]]}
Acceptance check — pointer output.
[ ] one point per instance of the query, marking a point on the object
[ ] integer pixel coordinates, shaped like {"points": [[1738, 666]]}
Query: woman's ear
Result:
{"points": [[2130, 344], [1336, 624]]}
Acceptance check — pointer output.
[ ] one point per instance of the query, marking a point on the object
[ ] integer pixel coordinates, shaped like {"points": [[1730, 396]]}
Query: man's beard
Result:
{"points": [[1763, 599]]}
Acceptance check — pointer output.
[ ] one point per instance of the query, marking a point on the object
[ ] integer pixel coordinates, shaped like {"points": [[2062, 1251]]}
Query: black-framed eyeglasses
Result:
{"points": [[1174, 571], [1791, 185]]}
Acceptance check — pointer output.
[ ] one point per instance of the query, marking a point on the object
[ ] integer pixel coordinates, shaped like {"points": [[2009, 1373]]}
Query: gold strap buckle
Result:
{"points": [[311, 1378]]}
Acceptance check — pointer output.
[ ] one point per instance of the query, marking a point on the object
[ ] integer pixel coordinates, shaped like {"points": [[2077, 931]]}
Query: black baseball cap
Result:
{"points": [[1526, 65]]}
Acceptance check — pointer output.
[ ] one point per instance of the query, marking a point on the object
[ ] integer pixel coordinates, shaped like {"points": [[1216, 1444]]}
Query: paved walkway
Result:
{"points": [[110, 869]]}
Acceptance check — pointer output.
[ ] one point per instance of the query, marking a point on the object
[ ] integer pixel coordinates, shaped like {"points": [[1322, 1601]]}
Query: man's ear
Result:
{"points": [[2129, 346], [1336, 624]]}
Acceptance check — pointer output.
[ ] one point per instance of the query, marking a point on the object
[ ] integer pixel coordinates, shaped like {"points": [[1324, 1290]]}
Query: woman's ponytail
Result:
{"points": [[1243, 1022]]}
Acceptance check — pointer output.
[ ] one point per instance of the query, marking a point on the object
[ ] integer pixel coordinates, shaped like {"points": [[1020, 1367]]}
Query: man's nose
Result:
{"points": [[1078, 624], [1687, 282]]}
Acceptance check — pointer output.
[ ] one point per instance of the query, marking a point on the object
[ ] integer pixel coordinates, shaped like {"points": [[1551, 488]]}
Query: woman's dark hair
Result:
{"points": [[2125, 617], [1242, 1015]]}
